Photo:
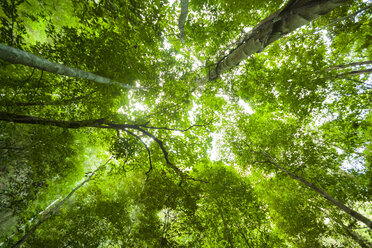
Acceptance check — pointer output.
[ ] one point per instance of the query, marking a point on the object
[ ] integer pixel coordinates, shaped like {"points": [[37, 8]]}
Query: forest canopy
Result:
{"points": [[215, 123]]}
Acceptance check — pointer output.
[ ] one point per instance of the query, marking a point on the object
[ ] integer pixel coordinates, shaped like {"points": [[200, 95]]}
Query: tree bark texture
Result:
{"points": [[16, 56], [182, 18], [294, 15]]}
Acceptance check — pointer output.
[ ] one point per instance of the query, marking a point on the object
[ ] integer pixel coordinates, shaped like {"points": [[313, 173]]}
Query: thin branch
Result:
{"points": [[357, 72], [161, 145], [349, 65], [172, 129], [147, 148], [333, 22]]}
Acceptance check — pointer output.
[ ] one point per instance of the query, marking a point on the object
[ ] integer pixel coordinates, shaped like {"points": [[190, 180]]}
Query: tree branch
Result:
{"points": [[336, 67], [357, 72], [147, 148], [173, 129]]}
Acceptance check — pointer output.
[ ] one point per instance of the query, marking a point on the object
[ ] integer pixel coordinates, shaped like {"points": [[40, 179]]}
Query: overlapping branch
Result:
{"points": [[104, 124]]}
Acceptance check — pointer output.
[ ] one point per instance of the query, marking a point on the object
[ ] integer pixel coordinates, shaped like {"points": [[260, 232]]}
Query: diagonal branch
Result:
{"points": [[99, 123], [96, 123], [342, 66], [357, 72], [57, 207], [320, 191]]}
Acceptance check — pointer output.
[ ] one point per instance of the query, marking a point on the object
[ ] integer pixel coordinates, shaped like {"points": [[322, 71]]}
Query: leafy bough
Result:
{"points": [[104, 124]]}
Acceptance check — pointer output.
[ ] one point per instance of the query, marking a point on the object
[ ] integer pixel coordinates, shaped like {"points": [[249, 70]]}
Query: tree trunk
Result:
{"points": [[356, 237], [323, 193], [55, 208], [182, 18], [294, 15], [227, 230], [17, 56]]}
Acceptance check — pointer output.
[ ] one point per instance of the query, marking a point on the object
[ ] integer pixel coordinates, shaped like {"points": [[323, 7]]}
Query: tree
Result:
{"points": [[240, 123]]}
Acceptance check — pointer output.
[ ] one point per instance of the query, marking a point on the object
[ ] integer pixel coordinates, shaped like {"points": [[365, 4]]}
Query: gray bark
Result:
{"points": [[182, 18], [17, 56], [294, 15]]}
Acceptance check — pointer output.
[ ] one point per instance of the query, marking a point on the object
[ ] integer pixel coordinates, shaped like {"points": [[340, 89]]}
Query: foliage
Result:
{"points": [[190, 164]]}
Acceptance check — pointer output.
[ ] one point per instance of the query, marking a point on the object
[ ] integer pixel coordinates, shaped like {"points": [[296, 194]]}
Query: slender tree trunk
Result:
{"points": [[296, 14], [356, 237], [56, 208], [227, 230], [17, 56], [323, 193], [182, 18]]}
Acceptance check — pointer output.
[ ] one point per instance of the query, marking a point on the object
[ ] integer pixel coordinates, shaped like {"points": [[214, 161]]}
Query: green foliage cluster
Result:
{"points": [[191, 165]]}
